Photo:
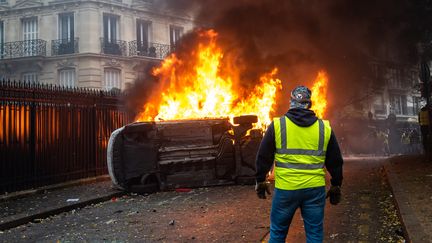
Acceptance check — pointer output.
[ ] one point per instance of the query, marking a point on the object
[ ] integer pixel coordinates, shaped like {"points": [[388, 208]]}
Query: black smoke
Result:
{"points": [[301, 37]]}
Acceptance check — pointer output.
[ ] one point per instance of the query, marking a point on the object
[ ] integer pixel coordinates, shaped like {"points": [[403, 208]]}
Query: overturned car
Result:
{"points": [[152, 156]]}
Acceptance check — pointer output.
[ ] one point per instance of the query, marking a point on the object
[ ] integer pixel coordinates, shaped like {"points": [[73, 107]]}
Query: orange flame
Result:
{"points": [[202, 92], [207, 84], [319, 94]]}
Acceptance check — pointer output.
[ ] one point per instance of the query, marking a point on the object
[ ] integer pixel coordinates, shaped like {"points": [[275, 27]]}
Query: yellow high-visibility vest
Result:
{"points": [[424, 118], [300, 154]]}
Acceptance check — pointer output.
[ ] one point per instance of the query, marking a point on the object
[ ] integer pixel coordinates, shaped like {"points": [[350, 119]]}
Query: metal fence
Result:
{"points": [[50, 134]]}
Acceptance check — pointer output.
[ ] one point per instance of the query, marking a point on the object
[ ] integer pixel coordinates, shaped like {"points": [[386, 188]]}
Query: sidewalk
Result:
{"points": [[410, 178], [40, 204]]}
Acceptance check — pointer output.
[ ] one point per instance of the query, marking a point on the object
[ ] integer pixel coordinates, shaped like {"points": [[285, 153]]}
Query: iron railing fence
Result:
{"points": [[148, 49], [113, 47], [50, 134], [27, 48], [64, 46]]}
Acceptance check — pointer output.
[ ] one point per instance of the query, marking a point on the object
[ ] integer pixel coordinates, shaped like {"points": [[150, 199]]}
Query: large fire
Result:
{"points": [[319, 94], [199, 88]]}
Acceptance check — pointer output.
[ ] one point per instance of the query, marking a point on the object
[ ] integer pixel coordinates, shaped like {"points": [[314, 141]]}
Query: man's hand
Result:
{"points": [[335, 195], [261, 188]]}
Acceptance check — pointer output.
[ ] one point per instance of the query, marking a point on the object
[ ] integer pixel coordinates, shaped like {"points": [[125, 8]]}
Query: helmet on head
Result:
{"points": [[301, 97]]}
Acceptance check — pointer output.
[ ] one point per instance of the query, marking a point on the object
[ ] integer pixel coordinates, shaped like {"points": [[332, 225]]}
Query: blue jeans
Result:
{"points": [[311, 202]]}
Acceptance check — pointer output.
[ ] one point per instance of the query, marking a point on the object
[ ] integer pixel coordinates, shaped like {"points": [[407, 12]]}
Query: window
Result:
{"points": [[30, 33], [110, 43], [3, 1], [110, 28], [378, 104], [67, 77], [112, 79], [175, 34], [1, 39], [395, 78], [66, 26], [31, 77], [398, 105], [30, 28], [416, 104], [66, 34], [142, 31]]}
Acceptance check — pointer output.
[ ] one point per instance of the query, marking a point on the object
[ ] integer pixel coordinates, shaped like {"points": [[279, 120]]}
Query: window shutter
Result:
{"points": [[138, 31], [105, 26], [71, 27]]}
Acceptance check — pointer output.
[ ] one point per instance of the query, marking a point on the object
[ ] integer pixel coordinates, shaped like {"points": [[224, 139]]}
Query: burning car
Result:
{"points": [[174, 144], [151, 156]]}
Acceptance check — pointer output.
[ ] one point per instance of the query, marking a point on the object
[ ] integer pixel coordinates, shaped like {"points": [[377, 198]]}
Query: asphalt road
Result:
{"points": [[222, 214]]}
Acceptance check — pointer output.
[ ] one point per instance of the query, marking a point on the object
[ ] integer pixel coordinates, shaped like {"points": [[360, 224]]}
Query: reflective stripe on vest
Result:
{"points": [[300, 166], [300, 154], [285, 150]]}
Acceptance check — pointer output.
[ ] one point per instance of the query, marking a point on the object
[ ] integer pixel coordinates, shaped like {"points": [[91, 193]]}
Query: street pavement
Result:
{"points": [[367, 213]]}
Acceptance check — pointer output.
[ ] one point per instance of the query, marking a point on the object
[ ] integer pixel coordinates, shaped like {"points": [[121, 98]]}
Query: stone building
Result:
{"points": [[101, 44], [395, 89]]}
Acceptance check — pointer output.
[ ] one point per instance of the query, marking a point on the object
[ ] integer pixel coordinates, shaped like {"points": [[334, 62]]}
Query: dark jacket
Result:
{"points": [[303, 118]]}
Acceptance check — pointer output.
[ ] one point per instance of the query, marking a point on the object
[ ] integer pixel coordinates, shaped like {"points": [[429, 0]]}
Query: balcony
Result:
{"points": [[146, 49], [113, 47], [27, 48], [64, 46]]}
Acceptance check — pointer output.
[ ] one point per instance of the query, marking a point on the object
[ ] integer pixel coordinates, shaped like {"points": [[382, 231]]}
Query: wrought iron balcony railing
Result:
{"points": [[147, 49], [27, 48], [113, 47], [64, 46]]}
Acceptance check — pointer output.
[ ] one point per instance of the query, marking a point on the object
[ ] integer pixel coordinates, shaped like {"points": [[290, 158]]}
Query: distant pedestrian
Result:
{"points": [[415, 141], [383, 142], [301, 146], [405, 141], [423, 118]]}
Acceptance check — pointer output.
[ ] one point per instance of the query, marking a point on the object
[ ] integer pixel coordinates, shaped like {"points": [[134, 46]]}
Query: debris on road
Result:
{"points": [[172, 222], [132, 213], [72, 200], [110, 221]]}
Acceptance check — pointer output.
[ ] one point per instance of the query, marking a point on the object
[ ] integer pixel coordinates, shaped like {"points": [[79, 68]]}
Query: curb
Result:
{"points": [[50, 212], [78, 182], [409, 222]]}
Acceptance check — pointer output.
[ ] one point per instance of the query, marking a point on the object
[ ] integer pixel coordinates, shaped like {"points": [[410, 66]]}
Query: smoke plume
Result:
{"points": [[301, 37]]}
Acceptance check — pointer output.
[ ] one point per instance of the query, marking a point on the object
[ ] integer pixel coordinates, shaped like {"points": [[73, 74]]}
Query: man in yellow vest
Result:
{"points": [[300, 145]]}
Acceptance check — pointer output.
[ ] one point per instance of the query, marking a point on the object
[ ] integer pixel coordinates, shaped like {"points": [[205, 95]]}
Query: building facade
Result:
{"points": [[100, 44], [395, 89]]}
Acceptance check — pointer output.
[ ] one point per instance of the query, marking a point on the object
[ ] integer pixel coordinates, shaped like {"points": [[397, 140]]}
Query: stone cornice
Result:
{"points": [[69, 60], [4, 7], [27, 4], [135, 7]]}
